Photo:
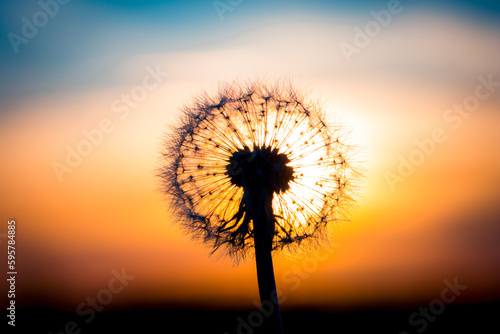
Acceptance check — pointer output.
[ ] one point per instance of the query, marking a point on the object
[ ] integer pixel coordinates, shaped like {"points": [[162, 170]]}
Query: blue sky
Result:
{"points": [[86, 38]]}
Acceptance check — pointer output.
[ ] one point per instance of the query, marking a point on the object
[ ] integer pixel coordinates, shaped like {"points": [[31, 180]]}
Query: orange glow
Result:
{"points": [[108, 212]]}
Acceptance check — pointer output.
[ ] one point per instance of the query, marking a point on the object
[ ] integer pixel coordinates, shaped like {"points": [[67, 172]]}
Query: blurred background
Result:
{"points": [[88, 89]]}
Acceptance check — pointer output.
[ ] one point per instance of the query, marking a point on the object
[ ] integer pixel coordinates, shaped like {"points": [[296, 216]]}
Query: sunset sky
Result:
{"points": [[104, 211]]}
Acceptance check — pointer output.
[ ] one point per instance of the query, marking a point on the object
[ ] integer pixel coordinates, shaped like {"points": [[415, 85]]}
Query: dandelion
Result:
{"points": [[256, 169]]}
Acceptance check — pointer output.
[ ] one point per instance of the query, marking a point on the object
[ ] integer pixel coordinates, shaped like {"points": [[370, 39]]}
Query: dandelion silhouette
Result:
{"points": [[256, 168]]}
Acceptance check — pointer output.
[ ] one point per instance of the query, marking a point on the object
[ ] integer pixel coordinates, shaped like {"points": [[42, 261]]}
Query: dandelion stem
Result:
{"points": [[263, 219]]}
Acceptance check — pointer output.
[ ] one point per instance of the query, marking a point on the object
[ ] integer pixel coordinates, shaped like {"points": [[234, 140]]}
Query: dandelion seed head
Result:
{"points": [[250, 137]]}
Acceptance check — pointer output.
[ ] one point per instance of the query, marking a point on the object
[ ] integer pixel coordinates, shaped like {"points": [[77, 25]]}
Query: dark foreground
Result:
{"points": [[470, 318]]}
